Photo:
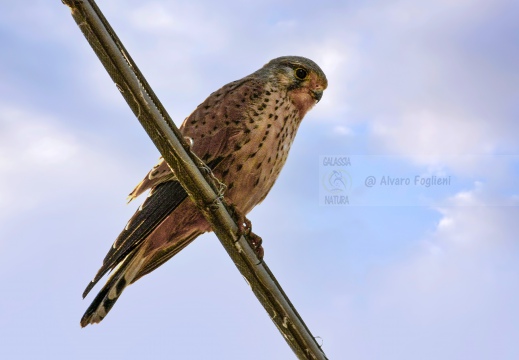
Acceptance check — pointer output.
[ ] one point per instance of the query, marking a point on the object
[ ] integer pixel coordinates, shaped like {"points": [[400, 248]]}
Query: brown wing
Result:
{"points": [[158, 174], [219, 124], [216, 128]]}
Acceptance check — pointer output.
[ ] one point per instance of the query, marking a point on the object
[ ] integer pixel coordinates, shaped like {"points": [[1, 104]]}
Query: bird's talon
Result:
{"points": [[245, 229], [244, 224], [255, 242]]}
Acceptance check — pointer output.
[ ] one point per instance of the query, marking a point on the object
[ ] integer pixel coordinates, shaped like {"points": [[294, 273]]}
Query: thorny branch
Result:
{"points": [[199, 185]]}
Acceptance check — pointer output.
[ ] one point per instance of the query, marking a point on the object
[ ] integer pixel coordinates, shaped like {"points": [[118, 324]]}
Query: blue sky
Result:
{"points": [[415, 88]]}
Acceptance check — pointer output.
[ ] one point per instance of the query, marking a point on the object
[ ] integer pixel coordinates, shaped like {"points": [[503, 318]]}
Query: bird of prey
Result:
{"points": [[243, 132]]}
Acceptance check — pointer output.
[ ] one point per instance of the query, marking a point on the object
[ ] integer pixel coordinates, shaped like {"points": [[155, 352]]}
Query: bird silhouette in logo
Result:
{"points": [[337, 181]]}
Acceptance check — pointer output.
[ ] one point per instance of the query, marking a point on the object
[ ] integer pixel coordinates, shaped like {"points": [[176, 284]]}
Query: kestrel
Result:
{"points": [[243, 132]]}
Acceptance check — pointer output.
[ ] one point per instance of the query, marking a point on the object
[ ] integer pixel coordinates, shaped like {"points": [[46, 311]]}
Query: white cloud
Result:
{"points": [[472, 240], [36, 19], [340, 62], [455, 295], [430, 138], [155, 17], [39, 160], [432, 80], [343, 130], [427, 78]]}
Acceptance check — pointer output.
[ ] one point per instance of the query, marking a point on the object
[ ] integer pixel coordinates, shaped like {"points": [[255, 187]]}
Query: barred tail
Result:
{"points": [[121, 277]]}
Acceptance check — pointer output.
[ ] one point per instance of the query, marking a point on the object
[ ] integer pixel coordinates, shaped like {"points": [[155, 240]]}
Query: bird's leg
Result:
{"points": [[245, 229]]}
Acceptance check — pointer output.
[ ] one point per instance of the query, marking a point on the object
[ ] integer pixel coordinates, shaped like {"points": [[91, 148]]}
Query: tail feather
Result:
{"points": [[121, 277]]}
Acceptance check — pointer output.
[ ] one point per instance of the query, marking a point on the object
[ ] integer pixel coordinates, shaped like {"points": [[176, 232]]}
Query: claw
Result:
{"points": [[245, 229], [244, 224], [255, 241]]}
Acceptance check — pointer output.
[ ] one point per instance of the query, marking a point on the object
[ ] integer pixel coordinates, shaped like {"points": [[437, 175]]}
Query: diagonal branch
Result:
{"points": [[199, 185]]}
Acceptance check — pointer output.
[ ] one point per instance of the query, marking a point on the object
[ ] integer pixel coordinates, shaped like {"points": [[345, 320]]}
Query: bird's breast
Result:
{"points": [[251, 171]]}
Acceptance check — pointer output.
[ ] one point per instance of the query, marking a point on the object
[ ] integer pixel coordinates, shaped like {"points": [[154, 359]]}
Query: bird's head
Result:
{"points": [[302, 78]]}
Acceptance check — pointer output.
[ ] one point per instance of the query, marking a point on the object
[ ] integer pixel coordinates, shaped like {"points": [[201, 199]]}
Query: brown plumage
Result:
{"points": [[243, 132]]}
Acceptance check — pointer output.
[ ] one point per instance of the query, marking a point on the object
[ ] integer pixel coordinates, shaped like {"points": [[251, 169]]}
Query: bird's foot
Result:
{"points": [[255, 242], [245, 229]]}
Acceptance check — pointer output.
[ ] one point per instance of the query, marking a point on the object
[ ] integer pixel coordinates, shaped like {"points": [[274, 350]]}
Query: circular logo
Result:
{"points": [[337, 181]]}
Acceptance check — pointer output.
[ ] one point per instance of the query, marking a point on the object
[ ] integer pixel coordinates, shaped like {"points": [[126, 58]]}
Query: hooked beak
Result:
{"points": [[317, 95]]}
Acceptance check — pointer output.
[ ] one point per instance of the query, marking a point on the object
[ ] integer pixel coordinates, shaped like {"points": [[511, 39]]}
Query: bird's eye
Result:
{"points": [[301, 73]]}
